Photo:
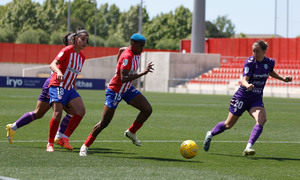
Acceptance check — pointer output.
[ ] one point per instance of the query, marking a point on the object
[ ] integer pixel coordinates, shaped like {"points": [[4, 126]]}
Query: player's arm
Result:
{"points": [[74, 83], [126, 77], [275, 75], [246, 84], [54, 68]]}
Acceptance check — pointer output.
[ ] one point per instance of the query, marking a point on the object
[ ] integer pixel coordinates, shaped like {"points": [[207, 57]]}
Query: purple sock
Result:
{"points": [[219, 128], [256, 131], [64, 124], [25, 119]]}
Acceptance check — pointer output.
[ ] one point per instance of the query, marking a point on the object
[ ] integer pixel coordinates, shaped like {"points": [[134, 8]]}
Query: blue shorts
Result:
{"points": [[61, 95], [112, 99], [239, 106], [44, 97]]}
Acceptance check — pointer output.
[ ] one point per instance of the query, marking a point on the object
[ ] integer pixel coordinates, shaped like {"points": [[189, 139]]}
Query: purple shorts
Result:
{"points": [[44, 97], [61, 95], [112, 99], [239, 106]]}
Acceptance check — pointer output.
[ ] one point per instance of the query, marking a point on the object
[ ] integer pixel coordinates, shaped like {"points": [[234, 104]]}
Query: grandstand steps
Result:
{"points": [[226, 80]]}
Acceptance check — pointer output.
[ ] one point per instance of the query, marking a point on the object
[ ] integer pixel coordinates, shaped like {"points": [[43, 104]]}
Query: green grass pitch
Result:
{"points": [[175, 118]]}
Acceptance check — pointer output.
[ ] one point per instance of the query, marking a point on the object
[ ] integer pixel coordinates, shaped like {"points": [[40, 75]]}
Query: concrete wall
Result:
{"points": [[172, 69]]}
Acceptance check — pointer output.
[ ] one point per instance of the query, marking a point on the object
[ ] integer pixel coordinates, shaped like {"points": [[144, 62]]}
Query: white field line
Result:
{"points": [[7, 178], [164, 141]]}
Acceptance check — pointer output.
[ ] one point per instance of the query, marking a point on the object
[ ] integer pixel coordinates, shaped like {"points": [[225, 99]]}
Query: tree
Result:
{"points": [[182, 22], [7, 35], [169, 27], [56, 38], [28, 37], [156, 29], [20, 15], [128, 23], [169, 44], [115, 40], [212, 31], [111, 19], [224, 26]]}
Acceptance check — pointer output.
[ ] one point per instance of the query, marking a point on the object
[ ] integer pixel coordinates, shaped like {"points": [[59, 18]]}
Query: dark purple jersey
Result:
{"points": [[258, 73]]}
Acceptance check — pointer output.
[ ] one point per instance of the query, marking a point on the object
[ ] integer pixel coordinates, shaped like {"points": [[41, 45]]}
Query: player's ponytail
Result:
{"points": [[68, 39]]}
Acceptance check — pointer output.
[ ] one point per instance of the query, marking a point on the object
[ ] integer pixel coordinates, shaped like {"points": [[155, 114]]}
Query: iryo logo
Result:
{"points": [[13, 82]]}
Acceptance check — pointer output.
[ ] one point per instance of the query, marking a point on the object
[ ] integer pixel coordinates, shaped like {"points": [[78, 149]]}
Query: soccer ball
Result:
{"points": [[188, 149]]}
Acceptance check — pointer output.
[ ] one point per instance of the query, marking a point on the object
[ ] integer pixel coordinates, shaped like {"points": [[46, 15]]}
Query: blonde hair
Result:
{"points": [[262, 44]]}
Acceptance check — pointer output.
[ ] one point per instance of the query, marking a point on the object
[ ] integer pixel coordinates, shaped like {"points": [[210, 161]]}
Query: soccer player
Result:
{"points": [[66, 67], [257, 69], [120, 87], [42, 106]]}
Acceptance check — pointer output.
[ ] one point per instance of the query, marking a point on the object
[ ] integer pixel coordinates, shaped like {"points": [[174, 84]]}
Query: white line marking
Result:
{"points": [[7, 178], [163, 141]]}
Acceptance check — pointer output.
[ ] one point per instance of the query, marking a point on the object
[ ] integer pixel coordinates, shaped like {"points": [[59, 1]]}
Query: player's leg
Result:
{"points": [[39, 112], [77, 105], [219, 128], [259, 114], [107, 116], [63, 124], [54, 124], [236, 109], [141, 103], [110, 105], [62, 128], [79, 111]]}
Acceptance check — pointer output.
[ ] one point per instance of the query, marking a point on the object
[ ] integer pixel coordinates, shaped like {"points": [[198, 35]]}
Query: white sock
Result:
{"points": [[58, 135], [249, 145], [14, 126]]}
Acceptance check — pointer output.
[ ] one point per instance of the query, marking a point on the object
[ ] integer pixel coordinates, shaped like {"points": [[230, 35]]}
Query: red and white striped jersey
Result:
{"points": [[128, 61], [70, 64]]}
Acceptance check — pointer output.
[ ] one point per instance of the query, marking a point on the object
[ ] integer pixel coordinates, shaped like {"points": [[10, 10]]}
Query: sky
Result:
{"points": [[248, 16]]}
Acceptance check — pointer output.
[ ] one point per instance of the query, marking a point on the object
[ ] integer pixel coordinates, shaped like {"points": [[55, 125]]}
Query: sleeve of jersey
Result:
{"points": [[273, 65], [126, 62], [248, 68], [61, 55]]}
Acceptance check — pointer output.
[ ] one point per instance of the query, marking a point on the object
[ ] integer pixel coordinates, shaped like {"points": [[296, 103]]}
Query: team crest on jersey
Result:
{"points": [[125, 62], [266, 66], [246, 70], [60, 54]]}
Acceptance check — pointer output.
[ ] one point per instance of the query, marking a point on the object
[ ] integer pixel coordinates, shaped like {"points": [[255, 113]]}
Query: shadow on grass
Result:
{"points": [[259, 158], [165, 159], [103, 151]]}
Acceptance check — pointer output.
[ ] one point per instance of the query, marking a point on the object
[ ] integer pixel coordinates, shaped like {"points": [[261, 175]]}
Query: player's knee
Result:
{"points": [[262, 121], [148, 111], [228, 126], [38, 115], [81, 112]]}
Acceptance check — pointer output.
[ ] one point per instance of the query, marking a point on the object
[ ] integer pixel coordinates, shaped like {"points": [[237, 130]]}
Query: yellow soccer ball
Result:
{"points": [[188, 149]]}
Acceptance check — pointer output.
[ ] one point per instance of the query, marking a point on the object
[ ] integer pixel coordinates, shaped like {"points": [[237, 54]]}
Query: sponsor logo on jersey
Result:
{"points": [[246, 70], [60, 54]]}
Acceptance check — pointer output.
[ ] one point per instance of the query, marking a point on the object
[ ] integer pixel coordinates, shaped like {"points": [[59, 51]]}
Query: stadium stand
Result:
{"points": [[230, 71]]}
